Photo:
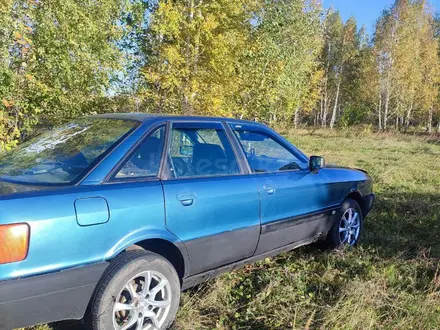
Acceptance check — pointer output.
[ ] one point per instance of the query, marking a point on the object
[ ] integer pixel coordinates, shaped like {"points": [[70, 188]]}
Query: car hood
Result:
{"points": [[344, 168], [337, 166]]}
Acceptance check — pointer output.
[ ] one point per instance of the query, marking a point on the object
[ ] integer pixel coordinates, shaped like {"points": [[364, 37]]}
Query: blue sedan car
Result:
{"points": [[109, 217]]}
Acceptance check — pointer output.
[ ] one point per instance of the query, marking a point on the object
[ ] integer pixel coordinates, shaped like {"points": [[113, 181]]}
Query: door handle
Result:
{"points": [[187, 199], [269, 188]]}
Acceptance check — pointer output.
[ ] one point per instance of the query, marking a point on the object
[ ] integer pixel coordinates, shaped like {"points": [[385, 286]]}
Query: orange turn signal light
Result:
{"points": [[14, 242]]}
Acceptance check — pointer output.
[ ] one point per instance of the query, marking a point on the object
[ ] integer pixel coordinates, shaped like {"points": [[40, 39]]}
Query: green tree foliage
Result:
{"points": [[194, 54], [391, 79], [252, 59], [406, 64], [57, 58], [281, 67], [341, 60], [278, 61]]}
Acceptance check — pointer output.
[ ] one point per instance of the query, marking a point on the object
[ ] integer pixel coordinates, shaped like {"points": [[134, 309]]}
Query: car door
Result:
{"points": [[294, 200], [211, 204]]}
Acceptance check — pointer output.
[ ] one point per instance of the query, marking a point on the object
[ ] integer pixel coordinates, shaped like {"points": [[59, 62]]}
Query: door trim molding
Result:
{"points": [[298, 220]]}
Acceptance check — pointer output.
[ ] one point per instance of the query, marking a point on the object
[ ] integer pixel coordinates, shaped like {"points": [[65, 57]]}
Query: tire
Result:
{"points": [[122, 298], [337, 236]]}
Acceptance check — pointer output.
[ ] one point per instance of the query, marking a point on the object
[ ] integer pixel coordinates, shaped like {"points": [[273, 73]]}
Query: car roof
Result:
{"points": [[143, 117]]}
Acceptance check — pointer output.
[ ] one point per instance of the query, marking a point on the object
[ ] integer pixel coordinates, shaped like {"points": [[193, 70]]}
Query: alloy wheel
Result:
{"points": [[143, 303], [349, 227]]}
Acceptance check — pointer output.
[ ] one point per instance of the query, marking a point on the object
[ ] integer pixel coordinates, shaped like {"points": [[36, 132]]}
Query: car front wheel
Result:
{"points": [[348, 225], [139, 291]]}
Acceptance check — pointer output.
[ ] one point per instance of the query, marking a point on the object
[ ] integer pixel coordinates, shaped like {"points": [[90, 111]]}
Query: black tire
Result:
{"points": [[118, 274], [334, 237]]}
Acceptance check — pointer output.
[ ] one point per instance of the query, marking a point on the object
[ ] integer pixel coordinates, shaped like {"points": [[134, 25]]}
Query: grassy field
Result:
{"points": [[391, 281]]}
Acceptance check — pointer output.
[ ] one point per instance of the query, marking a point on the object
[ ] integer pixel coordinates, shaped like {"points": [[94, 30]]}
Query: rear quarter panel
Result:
{"points": [[58, 242]]}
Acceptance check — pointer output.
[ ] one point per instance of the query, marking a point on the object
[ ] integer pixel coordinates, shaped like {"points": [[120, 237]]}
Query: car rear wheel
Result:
{"points": [[347, 229], [139, 291]]}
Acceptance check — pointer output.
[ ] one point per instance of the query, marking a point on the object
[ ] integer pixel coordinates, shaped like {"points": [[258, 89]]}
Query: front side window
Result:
{"points": [[63, 154], [264, 154], [145, 161], [201, 152]]}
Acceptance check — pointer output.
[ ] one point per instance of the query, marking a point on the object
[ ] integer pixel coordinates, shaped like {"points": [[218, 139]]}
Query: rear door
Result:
{"points": [[294, 201], [211, 204]]}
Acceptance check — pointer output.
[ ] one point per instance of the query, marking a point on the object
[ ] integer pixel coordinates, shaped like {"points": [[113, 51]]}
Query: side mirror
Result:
{"points": [[316, 163]]}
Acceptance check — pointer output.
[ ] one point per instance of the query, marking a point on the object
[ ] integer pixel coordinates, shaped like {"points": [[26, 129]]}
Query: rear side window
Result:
{"points": [[201, 152], [145, 161], [265, 154], [64, 154]]}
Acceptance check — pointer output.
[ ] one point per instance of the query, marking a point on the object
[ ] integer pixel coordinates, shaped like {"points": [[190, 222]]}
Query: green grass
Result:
{"points": [[391, 281]]}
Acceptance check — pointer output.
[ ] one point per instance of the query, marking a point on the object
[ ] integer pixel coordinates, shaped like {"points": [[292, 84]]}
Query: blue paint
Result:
{"points": [[91, 211]]}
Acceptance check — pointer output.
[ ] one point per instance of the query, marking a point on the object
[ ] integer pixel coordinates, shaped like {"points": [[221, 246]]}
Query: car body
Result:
{"points": [[204, 209]]}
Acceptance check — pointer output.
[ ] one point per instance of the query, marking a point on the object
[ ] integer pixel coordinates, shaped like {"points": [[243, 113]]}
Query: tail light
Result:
{"points": [[14, 242]]}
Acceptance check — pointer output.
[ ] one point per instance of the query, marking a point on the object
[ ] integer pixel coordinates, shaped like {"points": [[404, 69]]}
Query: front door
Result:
{"points": [[294, 200], [210, 204]]}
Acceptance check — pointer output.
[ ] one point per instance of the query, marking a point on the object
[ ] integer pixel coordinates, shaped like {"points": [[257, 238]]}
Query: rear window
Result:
{"points": [[64, 154]]}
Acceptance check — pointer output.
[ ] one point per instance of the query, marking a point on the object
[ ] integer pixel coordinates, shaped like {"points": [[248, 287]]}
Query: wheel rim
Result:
{"points": [[143, 303], [350, 227]]}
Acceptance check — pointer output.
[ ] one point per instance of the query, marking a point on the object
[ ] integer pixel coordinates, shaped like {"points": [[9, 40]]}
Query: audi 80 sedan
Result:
{"points": [[109, 217]]}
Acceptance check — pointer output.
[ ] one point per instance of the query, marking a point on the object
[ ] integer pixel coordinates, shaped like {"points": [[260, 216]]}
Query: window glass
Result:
{"points": [[264, 154], [201, 152], [64, 154], [145, 162]]}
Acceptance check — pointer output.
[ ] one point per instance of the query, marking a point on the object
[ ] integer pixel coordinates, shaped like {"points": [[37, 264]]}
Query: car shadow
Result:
{"points": [[405, 225], [71, 325], [68, 325]]}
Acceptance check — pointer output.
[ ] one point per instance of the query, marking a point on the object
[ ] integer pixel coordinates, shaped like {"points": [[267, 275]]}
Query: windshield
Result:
{"points": [[64, 154]]}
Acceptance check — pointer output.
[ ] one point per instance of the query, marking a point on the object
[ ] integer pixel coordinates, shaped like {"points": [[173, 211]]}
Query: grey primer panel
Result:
{"points": [[47, 298], [287, 231], [194, 280], [214, 251]]}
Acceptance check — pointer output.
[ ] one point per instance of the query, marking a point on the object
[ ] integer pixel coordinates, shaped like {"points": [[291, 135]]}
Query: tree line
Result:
{"points": [[285, 62]]}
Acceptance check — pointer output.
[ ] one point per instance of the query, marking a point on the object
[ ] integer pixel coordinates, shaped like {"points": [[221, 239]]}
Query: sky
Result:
{"points": [[365, 11]]}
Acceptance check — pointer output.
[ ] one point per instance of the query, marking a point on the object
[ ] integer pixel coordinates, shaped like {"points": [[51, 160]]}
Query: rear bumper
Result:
{"points": [[368, 204], [47, 298]]}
